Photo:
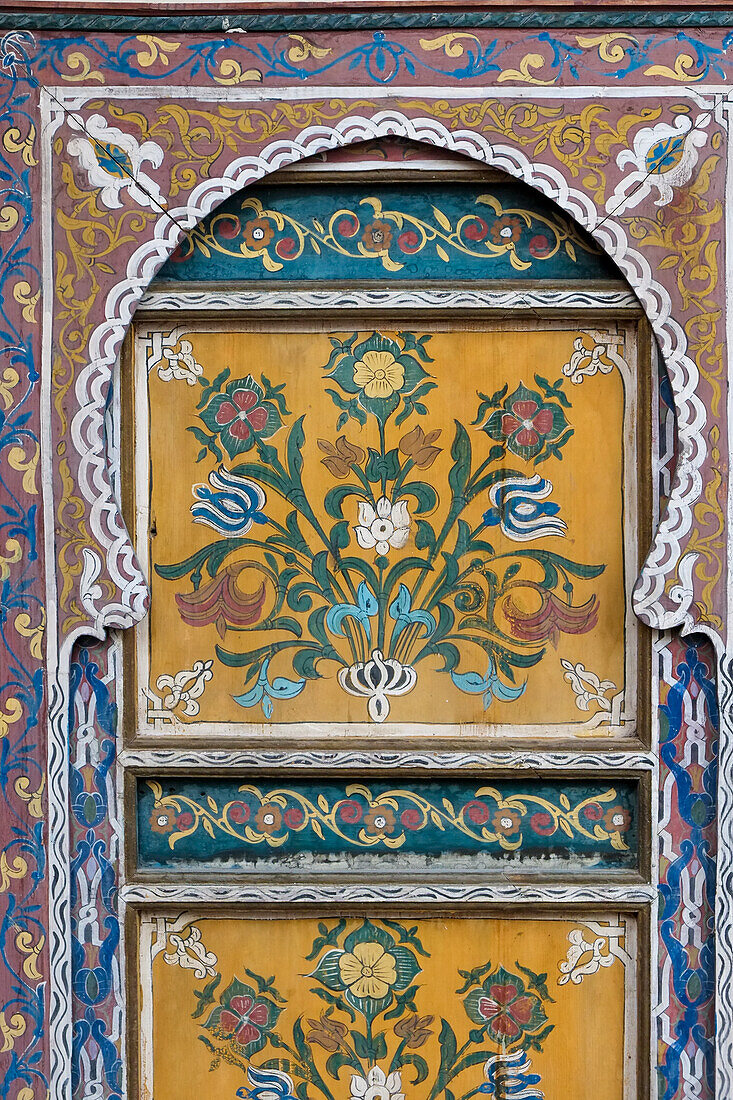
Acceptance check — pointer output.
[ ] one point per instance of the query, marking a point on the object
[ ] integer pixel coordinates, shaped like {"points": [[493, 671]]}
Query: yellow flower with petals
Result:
{"points": [[368, 970], [379, 374]]}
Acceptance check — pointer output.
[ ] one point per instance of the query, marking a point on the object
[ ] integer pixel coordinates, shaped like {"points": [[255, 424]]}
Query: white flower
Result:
{"points": [[388, 525], [112, 160], [377, 1086], [663, 157]]}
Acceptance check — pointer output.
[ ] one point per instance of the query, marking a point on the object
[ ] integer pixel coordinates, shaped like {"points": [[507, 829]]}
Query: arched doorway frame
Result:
{"points": [[110, 587]]}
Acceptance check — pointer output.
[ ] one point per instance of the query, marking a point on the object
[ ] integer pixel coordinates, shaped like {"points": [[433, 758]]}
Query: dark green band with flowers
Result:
{"points": [[217, 821]]}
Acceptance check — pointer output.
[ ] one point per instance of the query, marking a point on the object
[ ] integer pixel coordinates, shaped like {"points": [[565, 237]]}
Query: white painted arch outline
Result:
{"points": [[107, 526], [666, 555]]}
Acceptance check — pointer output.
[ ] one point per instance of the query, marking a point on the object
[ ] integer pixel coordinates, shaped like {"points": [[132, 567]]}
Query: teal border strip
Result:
{"points": [[651, 19]]}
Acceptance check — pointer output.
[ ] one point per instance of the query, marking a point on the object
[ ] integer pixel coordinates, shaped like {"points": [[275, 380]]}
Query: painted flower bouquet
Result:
{"points": [[391, 568]]}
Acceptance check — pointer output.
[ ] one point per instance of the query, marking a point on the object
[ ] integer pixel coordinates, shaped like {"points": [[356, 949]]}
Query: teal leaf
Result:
{"points": [[400, 611], [490, 686], [424, 494], [264, 692], [461, 455]]}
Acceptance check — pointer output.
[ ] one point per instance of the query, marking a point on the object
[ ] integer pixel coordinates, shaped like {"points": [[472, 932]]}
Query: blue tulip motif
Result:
{"points": [[229, 503], [521, 509], [269, 1084]]}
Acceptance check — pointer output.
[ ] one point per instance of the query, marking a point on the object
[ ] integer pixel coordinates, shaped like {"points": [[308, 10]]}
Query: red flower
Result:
{"points": [[526, 422], [185, 821], [242, 413], [409, 241], [476, 230], [509, 1013], [244, 1019], [411, 818], [539, 246], [348, 226], [477, 812], [350, 811], [543, 824], [228, 227], [239, 812], [294, 817], [531, 421]]}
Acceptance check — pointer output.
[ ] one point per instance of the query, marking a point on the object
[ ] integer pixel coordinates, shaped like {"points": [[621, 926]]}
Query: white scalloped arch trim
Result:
{"points": [[87, 427]]}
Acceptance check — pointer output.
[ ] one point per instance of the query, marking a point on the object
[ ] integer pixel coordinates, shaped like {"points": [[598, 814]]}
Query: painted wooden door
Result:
{"points": [[385, 723]]}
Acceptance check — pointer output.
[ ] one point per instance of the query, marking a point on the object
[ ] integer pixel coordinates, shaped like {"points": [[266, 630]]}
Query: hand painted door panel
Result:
{"points": [[378, 1008], [424, 532]]}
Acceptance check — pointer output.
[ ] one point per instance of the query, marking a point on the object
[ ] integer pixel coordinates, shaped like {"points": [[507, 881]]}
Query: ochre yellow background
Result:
{"points": [[588, 484], [583, 1057]]}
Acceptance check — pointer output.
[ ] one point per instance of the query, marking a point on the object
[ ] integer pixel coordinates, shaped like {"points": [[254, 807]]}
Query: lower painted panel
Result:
{"points": [[374, 1008]]}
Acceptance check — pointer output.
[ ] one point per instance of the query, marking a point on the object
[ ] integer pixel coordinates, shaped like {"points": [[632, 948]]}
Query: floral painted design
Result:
{"points": [[508, 1077], [258, 232], [163, 821], [383, 526], [379, 374], [662, 158], [371, 1026], [268, 1084], [341, 456], [380, 820], [414, 1030], [268, 818], [243, 1017], [521, 509], [221, 602], [377, 236], [240, 416], [327, 1033], [552, 617], [617, 819], [527, 423], [381, 233], [506, 230], [113, 160], [230, 504], [377, 1085], [361, 586], [505, 819], [511, 1011], [420, 447], [370, 968]]}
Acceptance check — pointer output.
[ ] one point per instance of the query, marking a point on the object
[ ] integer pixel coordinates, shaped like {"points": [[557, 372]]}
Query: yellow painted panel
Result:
{"points": [[522, 538], [443, 1003]]}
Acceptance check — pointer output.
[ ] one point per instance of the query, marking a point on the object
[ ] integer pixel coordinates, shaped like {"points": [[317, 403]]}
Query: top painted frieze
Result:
{"points": [[466, 57]]}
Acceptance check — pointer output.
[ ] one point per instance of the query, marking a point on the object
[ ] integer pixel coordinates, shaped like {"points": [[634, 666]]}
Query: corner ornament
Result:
{"points": [[662, 158]]}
